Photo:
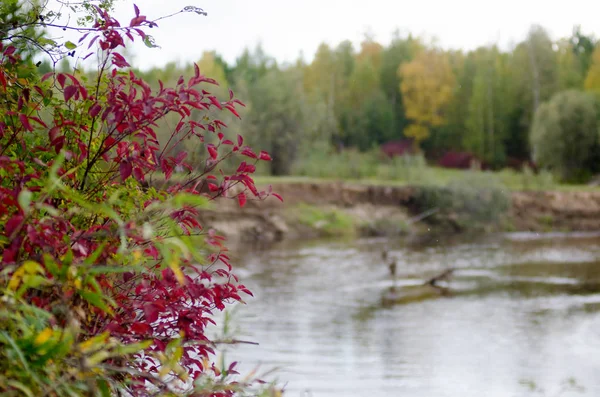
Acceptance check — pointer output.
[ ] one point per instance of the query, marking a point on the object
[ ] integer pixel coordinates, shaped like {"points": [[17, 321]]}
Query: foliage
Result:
{"points": [[329, 222], [473, 201], [592, 80], [427, 87], [480, 101], [285, 121], [107, 284], [563, 132], [348, 164]]}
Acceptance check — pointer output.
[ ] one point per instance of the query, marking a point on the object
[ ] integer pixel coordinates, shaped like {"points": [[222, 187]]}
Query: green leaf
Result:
{"points": [[31, 282], [150, 42], [19, 386], [24, 200], [98, 358], [70, 45], [112, 269], [90, 260], [96, 300], [132, 348], [195, 200], [45, 41], [103, 388], [51, 265]]}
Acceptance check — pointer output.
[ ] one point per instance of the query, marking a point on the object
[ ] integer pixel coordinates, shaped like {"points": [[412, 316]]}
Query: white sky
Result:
{"points": [[286, 28]]}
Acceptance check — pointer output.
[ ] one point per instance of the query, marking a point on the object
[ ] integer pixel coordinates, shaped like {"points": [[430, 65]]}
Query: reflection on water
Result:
{"points": [[523, 310]]}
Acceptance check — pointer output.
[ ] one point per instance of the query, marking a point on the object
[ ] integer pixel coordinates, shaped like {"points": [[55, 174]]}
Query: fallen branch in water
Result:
{"points": [[444, 276]]}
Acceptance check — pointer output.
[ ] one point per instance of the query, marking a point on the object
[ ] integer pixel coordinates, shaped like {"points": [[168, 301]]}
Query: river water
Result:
{"points": [[521, 319]]}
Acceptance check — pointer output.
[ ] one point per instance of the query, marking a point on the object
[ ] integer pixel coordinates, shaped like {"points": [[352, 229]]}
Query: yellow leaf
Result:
{"points": [[164, 371], [87, 345], [43, 336], [174, 265], [29, 267], [15, 280]]}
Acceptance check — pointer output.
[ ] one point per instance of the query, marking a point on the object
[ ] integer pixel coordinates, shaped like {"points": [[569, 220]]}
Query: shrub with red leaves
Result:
{"points": [[461, 160], [108, 283]]}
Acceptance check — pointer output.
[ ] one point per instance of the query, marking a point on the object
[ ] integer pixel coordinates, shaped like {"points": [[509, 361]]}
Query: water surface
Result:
{"points": [[522, 319]]}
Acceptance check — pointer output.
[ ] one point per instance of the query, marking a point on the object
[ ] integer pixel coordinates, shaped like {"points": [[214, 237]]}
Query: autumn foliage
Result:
{"points": [[108, 282]]}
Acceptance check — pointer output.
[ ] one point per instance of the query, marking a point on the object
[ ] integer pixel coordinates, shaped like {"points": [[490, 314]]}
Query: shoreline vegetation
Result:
{"points": [[440, 202]]}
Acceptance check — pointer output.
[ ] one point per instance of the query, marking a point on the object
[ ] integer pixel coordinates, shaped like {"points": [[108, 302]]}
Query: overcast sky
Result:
{"points": [[287, 28]]}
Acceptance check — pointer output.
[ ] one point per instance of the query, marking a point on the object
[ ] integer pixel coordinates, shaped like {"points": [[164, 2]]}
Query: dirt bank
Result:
{"points": [[383, 210]]}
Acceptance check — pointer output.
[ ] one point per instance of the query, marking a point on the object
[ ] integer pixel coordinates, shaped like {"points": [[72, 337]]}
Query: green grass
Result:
{"points": [[514, 181], [329, 222]]}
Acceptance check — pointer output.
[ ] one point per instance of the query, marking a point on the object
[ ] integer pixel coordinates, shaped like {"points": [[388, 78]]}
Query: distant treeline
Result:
{"points": [[482, 101]]}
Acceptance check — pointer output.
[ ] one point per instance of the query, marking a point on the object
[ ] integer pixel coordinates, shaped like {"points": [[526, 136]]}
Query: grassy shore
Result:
{"points": [[514, 181]]}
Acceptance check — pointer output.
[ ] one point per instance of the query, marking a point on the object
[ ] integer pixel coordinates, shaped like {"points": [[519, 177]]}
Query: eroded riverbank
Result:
{"points": [[322, 209]]}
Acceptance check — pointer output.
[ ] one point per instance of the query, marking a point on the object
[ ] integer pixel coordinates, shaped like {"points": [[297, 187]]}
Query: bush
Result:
{"points": [[107, 285], [329, 222], [407, 168], [563, 133], [474, 201], [347, 164]]}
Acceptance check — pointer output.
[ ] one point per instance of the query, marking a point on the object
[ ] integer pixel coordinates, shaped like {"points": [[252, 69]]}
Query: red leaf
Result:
{"points": [[248, 152], [53, 133], [137, 10], [94, 110], [212, 151], [278, 196], [151, 312], [220, 135], [227, 142], [212, 187], [242, 167], [196, 70], [69, 92], [47, 76], [83, 92], [61, 79], [119, 61], [10, 50], [140, 328], [12, 224], [233, 111], [215, 102], [125, 169], [25, 121], [138, 174], [241, 199], [264, 156], [39, 121]]}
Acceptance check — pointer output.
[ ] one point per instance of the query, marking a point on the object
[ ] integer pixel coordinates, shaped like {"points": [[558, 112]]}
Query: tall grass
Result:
{"points": [[373, 167]]}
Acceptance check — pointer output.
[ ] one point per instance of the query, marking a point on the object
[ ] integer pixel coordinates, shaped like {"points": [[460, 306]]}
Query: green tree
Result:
{"points": [[563, 133], [534, 70], [583, 46], [400, 51], [486, 122], [570, 74], [279, 118]]}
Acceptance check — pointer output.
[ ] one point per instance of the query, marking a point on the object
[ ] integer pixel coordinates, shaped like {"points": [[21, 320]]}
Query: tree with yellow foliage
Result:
{"points": [[592, 80], [427, 88]]}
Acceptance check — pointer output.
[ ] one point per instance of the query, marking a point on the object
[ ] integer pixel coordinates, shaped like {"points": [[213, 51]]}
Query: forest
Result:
{"points": [[349, 100]]}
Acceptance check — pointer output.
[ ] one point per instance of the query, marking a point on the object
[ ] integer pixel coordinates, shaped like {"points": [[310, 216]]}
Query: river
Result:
{"points": [[522, 317]]}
